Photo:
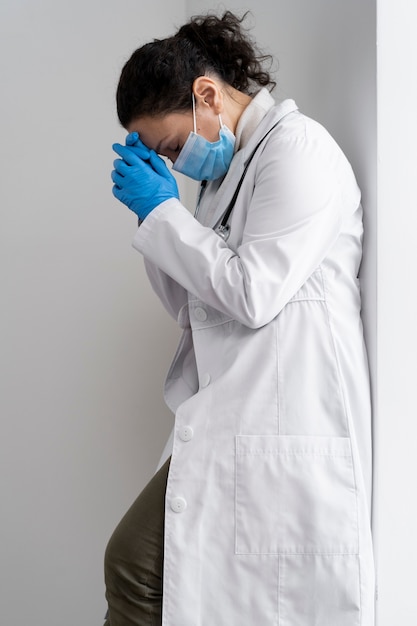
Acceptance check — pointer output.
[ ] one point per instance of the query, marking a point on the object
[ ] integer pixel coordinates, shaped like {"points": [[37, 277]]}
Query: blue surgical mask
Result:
{"points": [[201, 159]]}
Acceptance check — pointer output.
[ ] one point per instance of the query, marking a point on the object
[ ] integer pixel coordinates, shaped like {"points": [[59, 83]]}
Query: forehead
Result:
{"points": [[154, 130]]}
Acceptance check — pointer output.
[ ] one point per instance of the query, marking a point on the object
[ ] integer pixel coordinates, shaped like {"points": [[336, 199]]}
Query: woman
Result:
{"points": [[265, 502]]}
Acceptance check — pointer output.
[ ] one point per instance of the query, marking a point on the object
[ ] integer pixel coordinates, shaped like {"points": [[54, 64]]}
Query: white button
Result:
{"points": [[200, 314], [186, 433], [178, 505], [205, 380]]}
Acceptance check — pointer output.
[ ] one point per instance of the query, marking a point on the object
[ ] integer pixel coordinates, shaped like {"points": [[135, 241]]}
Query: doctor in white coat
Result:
{"points": [[261, 516]]}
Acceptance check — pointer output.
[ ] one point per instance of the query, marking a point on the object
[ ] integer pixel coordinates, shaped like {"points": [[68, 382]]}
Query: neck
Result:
{"points": [[235, 102]]}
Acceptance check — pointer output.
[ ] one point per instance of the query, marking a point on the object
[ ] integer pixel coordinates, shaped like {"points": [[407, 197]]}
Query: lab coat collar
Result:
{"points": [[251, 117], [272, 116]]}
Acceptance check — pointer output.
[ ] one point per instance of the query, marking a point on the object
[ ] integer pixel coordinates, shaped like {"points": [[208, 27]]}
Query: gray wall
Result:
{"points": [[84, 342]]}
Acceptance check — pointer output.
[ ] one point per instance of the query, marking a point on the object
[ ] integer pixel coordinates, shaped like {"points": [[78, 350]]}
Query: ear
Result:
{"points": [[208, 93]]}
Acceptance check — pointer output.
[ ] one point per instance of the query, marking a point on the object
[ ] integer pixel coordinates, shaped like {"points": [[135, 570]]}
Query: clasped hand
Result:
{"points": [[141, 178]]}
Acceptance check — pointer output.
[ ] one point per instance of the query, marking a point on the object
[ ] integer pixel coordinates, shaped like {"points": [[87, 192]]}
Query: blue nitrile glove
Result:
{"points": [[141, 184], [137, 146]]}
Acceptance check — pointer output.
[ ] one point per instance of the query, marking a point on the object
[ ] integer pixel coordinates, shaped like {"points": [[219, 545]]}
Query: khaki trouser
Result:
{"points": [[133, 562]]}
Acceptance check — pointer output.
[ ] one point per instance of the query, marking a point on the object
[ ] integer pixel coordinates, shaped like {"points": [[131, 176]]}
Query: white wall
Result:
{"points": [[81, 411], [397, 311]]}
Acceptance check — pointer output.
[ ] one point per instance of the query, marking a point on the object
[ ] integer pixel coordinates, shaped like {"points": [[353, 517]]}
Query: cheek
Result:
{"points": [[172, 156], [209, 128]]}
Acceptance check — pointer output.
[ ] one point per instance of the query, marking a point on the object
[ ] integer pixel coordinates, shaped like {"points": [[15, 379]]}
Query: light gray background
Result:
{"points": [[84, 342]]}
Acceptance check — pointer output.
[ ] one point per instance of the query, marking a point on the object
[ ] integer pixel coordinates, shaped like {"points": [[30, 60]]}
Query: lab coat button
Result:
{"points": [[186, 433], [200, 314], [205, 380], [178, 505]]}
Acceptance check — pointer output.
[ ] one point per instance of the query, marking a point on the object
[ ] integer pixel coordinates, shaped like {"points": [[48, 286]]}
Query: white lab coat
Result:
{"points": [[268, 496]]}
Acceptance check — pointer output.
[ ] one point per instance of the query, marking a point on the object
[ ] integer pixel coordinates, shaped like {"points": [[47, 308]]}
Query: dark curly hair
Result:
{"points": [[158, 77]]}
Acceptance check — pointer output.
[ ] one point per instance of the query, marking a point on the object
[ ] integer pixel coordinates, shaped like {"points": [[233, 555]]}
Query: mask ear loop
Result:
{"points": [[194, 116]]}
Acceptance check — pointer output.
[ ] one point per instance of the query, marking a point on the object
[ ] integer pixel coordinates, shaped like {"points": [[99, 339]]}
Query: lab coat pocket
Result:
{"points": [[295, 495]]}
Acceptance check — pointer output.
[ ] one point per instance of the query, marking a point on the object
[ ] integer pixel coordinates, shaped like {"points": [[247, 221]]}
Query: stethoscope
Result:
{"points": [[223, 229]]}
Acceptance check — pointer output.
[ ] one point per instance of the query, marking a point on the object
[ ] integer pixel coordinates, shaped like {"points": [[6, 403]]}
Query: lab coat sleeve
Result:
{"points": [[302, 189], [172, 295]]}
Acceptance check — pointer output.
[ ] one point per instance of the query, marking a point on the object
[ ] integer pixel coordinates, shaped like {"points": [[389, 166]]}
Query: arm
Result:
{"points": [[303, 189], [171, 294], [142, 181]]}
